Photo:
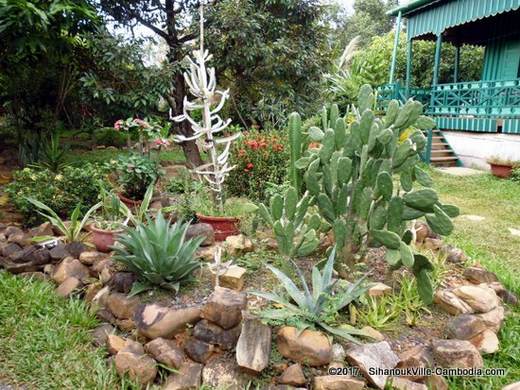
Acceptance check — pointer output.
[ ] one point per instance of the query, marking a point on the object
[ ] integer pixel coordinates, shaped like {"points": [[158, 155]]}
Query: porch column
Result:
{"points": [[409, 60], [396, 43], [456, 65], [437, 62]]}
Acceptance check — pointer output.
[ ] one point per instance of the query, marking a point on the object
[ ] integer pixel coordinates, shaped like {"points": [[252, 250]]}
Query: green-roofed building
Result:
{"points": [[478, 118]]}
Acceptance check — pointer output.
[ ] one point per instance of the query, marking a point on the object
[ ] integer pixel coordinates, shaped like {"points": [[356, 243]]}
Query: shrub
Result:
{"points": [[134, 173], [260, 158], [108, 136], [158, 254], [62, 192], [515, 175]]}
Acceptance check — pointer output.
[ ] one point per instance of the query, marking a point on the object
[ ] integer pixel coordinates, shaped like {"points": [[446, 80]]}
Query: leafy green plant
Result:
{"points": [[313, 307], [52, 154], [113, 212], [72, 230], [158, 253], [515, 175], [351, 176], [134, 174]]}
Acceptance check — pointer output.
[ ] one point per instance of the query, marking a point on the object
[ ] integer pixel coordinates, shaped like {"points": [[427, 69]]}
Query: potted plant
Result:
{"points": [[501, 167], [133, 174], [109, 223], [207, 104]]}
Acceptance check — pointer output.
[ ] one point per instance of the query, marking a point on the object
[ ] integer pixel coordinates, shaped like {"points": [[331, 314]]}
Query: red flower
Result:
{"points": [[249, 166], [241, 152], [118, 124]]}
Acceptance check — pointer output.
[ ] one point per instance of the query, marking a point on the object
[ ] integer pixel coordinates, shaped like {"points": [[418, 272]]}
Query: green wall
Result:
{"points": [[502, 59]]}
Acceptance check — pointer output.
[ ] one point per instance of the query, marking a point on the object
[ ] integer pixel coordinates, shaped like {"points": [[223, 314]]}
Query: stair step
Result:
{"points": [[447, 158], [440, 151]]}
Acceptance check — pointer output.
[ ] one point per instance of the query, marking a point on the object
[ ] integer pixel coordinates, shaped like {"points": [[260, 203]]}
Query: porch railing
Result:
{"points": [[388, 92]]}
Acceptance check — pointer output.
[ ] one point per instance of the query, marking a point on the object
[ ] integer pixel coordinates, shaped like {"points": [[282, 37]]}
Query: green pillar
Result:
{"points": [[456, 65], [409, 60], [396, 43], [437, 62]]}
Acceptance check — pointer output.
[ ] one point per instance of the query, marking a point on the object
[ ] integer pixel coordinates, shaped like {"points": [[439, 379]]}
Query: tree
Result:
{"points": [[167, 20], [271, 54]]}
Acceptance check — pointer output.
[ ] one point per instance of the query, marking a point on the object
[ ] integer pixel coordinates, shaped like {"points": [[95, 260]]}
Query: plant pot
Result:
{"points": [[499, 170], [223, 226], [129, 202], [104, 239]]}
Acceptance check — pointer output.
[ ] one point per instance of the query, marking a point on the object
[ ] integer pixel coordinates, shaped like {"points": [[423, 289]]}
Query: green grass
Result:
{"points": [[79, 157], [45, 341], [489, 243]]}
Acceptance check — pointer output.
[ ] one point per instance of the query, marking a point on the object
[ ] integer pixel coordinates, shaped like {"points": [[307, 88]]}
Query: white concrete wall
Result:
{"points": [[474, 149]]}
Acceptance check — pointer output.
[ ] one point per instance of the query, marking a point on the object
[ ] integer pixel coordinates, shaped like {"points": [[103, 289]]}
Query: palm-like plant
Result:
{"points": [[312, 307], [158, 253], [71, 230]]}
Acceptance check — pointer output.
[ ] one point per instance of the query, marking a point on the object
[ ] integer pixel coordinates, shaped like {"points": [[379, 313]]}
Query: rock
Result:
{"points": [[101, 297], [90, 257], [198, 350], [21, 239], [189, 377], [70, 267], [512, 386], [102, 264], [233, 278], [506, 295], [59, 252], [292, 376], [133, 361], [379, 289], [206, 253], [479, 275], [308, 347], [454, 255], [153, 320], [122, 281], [481, 298], [91, 291], [338, 382], [436, 382], [224, 307], [486, 342], [115, 343], [68, 286], [75, 249], [213, 334], [450, 303], [12, 230], [35, 275], [45, 229], [254, 345], [366, 356], [48, 269], [338, 353], [422, 231], [10, 249], [493, 319], [121, 306], [433, 244], [204, 230], [399, 383], [238, 244], [19, 268], [223, 373], [23, 255], [456, 354], [100, 334], [166, 352], [127, 325], [372, 333], [465, 326], [415, 357]]}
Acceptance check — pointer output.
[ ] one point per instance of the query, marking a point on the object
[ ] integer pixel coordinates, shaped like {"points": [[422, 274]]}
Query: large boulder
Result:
{"points": [[292, 376], [486, 342], [100, 334], [479, 275], [189, 377], [198, 350], [122, 281], [90, 257], [309, 347], [204, 230], [224, 307], [68, 286], [338, 382], [239, 244], [480, 298], [233, 277], [254, 345], [224, 373], [494, 318], [121, 306], [70, 267], [416, 357], [153, 320], [133, 361], [465, 326], [211, 333], [166, 352], [456, 354], [450, 303]]}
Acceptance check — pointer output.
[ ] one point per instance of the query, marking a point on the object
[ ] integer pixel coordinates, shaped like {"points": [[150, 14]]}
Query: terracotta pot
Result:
{"points": [[223, 226], [104, 239], [499, 170], [129, 202]]}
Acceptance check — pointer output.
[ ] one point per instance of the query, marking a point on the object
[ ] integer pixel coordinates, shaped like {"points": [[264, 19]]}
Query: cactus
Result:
{"points": [[295, 234], [295, 144], [350, 178]]}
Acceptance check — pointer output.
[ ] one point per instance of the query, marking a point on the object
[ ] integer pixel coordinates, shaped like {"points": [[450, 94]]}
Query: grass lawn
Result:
{"points": [[490, 243]]}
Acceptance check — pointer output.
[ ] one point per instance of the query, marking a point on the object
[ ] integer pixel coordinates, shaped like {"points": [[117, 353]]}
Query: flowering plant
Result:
{"points": [[148, 130], [260, 158]]}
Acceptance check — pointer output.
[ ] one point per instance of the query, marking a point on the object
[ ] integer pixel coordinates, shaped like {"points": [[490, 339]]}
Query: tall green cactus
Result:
{"points": [[295, 144], [363, 178], [295, 234]]}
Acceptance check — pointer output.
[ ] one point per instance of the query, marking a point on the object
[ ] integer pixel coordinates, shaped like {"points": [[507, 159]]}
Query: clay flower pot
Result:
{"points": [[223, 226], [502, 171], [104, 239], [129, 202]]}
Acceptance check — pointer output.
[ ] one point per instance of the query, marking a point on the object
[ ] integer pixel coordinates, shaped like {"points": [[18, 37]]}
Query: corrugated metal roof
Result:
{"points": [[434, 16]]}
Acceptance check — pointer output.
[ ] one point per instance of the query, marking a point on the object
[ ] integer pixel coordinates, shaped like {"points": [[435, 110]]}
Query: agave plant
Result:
{"points": [[313, 306], [71, 230], [158, 253], [139, 214]]}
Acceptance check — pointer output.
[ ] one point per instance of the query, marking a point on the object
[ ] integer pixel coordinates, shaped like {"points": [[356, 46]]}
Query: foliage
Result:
{"points": [[260, 158], [313, 307], [72, 230], [286, 216], [134, 173], [62, 192], [296, 147], [158, 253], [108, 136], [52, 155], [139, 215], [515, 175], [112, 211], [271, 55], [351, 176]]}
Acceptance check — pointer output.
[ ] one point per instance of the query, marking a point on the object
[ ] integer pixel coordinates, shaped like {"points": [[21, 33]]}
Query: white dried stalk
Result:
{"points": [[217, 267]]}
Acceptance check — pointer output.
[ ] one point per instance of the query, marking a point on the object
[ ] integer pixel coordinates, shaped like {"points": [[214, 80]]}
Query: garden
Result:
{"points": [[208, 222]]}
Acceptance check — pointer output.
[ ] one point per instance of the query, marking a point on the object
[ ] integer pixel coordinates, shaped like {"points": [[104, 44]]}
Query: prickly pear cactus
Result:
{"points": [[294, 230], [368, 185]]}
